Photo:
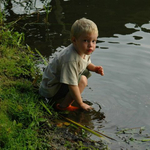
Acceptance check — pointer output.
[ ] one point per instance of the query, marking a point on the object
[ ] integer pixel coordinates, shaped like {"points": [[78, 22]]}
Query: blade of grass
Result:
{"points": [[145, 140], [106, 136], [88, 129], [101, 135], [44, 60], [46, 108]]}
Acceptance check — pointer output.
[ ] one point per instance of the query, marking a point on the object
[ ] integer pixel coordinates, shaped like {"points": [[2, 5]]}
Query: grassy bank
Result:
{"points": [[21, 114], [24, 122]]}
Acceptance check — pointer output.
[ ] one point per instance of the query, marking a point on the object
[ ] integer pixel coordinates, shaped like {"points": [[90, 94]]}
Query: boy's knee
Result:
{"points": [[83, 80]]}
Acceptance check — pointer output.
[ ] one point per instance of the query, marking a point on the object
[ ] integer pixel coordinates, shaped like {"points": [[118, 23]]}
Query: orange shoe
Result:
{"points": [[69, 108]]}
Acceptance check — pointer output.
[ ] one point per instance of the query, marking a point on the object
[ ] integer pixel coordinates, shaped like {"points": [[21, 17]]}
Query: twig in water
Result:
{"points": [[88, 129]]}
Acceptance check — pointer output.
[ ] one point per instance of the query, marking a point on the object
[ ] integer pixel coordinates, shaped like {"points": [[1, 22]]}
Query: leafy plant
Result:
{"points": [[10, 38], [47, 10], [133, 135]]}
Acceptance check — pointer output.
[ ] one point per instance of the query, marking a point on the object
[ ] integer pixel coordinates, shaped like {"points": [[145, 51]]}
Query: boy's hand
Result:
{"points": [[99, 70], [86, 107]]}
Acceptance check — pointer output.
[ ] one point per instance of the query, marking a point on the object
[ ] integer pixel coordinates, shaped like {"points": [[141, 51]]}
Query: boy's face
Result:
{"points": [[85, 44]]}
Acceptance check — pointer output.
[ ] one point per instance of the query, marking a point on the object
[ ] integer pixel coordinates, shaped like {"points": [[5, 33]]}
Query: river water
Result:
{"points": [[121, 98]]}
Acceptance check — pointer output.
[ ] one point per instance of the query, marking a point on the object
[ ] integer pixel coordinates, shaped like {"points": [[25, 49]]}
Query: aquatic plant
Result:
{"points": [[47, 10], [133, 136]]}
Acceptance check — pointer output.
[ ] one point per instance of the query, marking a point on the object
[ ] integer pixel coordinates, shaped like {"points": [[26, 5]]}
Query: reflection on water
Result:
{"points": [[123, 49], [88, 118]]}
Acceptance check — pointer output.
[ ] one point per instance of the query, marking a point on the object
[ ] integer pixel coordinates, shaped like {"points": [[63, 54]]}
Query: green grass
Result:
{"points": [[21, 114], [20, 111]]}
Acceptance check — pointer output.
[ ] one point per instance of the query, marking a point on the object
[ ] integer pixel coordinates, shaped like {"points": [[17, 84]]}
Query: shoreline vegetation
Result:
{"points": [[26, 122]]}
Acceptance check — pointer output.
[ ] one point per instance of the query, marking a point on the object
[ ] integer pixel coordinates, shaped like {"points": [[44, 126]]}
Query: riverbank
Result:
{"points": [[24, 121]]}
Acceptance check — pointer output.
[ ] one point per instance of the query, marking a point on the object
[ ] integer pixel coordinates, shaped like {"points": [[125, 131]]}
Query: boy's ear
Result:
{"points": [[73, 39]]}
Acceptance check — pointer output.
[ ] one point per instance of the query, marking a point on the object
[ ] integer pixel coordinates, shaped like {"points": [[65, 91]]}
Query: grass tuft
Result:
{"points": [[21, 115]]}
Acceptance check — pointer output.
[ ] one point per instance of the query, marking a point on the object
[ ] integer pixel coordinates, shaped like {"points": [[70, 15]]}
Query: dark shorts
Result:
{"points": [[64, 89]]}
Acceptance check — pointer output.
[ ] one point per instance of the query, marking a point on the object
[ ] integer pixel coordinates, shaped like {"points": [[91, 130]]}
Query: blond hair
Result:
{"points": [[82, 26]]}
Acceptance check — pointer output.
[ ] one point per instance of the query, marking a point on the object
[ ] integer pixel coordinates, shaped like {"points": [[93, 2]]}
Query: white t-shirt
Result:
{"points": [[66, 67]]}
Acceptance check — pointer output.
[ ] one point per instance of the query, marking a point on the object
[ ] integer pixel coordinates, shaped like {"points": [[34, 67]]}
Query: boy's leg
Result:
{"points": [[69, 99]]}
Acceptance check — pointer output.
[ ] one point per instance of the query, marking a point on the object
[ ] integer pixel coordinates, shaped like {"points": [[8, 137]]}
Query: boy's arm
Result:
{"points": [[97, 69], [75, 94]]}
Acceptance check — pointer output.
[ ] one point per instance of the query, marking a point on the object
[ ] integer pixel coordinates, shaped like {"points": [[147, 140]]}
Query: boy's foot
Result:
{"points": [[69, 108]]}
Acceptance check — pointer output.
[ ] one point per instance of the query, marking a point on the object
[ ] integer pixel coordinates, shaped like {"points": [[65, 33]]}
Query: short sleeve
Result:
{"points": [[88, 59]]}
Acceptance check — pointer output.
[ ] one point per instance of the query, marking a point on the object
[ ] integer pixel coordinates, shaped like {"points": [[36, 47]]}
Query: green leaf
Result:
{"points": [[145, 140], [46, 108]]}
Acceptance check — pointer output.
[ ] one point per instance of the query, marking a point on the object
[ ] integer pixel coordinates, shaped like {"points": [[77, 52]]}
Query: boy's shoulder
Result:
{"points": [[69, 53]]}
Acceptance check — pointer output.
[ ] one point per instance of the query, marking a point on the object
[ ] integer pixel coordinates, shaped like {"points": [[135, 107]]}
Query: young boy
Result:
{"points": [[66, 75]]}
